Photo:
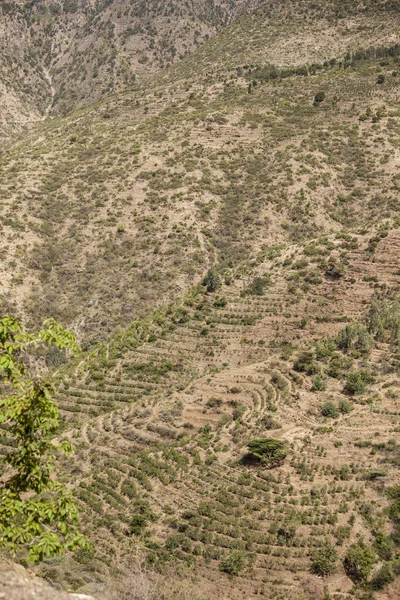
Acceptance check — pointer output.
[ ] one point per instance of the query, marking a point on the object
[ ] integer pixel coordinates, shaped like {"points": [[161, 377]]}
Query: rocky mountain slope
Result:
{"points": [[190, 171], [17, 587], [223, 236], [58, 55]]}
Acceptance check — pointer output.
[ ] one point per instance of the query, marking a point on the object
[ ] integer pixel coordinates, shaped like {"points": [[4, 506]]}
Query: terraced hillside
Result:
{"points": [[161, 415], [223, 237]]}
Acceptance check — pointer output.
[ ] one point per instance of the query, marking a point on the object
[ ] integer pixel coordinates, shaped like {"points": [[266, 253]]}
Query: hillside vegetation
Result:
{"points": [[223, 237], [60, 54]]}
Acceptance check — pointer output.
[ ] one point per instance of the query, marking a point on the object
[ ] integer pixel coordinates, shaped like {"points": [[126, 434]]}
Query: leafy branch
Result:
{"points": [[38, 515]]}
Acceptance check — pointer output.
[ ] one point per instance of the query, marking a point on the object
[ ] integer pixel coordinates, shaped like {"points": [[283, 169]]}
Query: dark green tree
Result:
{"points": [[268, 450], [212, 281]]}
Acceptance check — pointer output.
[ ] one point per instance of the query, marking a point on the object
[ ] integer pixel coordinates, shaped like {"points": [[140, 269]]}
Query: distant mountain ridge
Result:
{"points": [[59, 55]]}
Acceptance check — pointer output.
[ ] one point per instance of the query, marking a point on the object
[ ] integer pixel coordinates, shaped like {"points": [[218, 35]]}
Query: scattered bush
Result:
{"points": [[334, 270], [306, 363], [325, 348], [357, 382], [215, 402], [268, 450], [338, 365], [257, 286], [270, 423], [384, 546], [355, 337], [329, 410], [319, 384], [234, 563], [211, 281], [323, 560], [345, 406], [319, 97], [358, 562]]}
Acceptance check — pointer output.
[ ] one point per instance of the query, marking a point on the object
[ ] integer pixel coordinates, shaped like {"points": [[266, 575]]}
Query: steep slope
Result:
{"points": [[121, 206], [296, 32], [15, 586], [59, 55], [67, 54], [23, 89], [276, 171], [163, 412]]}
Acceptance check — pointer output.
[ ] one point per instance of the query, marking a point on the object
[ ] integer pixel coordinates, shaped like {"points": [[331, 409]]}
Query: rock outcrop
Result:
{"points": [[17, 585]]}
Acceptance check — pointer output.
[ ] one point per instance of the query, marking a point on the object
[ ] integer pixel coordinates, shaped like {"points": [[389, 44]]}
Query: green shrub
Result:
{"points": [[268, 450], [323, 560], [269, 423], [319, 97], [384, 546], [319, 384], [215, 402], [238, 411], [212, 281], [338, 365], [306, 363], [355, 337], [383, 577], [357, 382], [220, 302], [234, 563], [287, 530], [257, 286], [358, 562], [383, 320], [334, 270], [345, 406], [325, 348], [329, 410]]}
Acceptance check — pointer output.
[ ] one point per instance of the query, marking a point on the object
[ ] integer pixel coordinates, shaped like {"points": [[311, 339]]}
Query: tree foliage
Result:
{"points": [[38, 516], [323, 560], [212, 281], [358, 562], [355, 337], [268, 450], [383, 320], [357, 382], [234, 563]]}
